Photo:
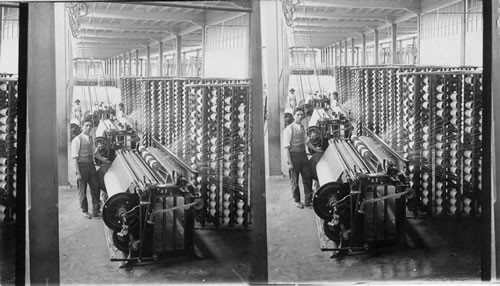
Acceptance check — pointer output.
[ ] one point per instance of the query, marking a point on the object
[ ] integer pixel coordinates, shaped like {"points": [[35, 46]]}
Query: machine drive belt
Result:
{"points": [[185, 206]]}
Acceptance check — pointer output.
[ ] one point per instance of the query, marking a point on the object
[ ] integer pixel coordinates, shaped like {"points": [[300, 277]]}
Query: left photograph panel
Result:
{"points": [[142, 142], [9, 55]]}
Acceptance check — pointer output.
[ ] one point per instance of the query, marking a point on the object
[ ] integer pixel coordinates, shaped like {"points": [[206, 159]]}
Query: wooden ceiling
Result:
{"points": [[103, 30], [321, 23]]}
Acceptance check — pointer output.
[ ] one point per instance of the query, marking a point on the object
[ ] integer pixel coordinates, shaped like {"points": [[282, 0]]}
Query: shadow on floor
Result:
{"points": [[7, 253]]}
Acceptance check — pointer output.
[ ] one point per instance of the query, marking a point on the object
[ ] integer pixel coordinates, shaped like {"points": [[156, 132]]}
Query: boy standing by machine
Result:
{"points": [[83, 152], [295, 140]]}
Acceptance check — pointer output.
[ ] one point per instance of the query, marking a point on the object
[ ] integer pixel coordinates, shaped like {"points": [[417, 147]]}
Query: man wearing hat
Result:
{"points": [[77, 111], [290, 107]]}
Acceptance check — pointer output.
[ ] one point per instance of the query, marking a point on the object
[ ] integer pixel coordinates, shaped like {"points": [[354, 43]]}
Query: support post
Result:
{"points": [[136, 63], [21, 225], [276, 93], [120, 66], [329, 56], [203, 48], [130, 63], [357, 56], [346, 54], [160, 60], [258, 270], [419, 32], [375, 50], [336, 62], [1, 29], [148, 60], [142, 67], [363, 50], [41, 162], [352, 52], [394, 49], [341, 61], [463, 34], [178, 61], [63, 63], [117, 74]]}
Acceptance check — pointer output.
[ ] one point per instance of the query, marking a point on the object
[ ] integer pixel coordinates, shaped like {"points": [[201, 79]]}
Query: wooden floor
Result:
{"points": [[224, 255], [452, 250]]}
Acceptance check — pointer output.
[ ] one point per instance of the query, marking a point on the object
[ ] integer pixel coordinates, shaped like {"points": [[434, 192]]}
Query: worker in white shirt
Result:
{"points": [[295, 140]]}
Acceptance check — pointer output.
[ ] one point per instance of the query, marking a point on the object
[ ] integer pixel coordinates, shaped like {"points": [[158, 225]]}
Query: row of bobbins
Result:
{"points": [[424, 146], [235, 134], [8, 149], [408, 84], [195, 119], [212, 156], [441, 139], [368, 102], [143, 122], [356, 100], [445, 151], [183, 118], [222, 153], [156, 116], [438, 133], [472, 140], [196, 126], [194, 139]]}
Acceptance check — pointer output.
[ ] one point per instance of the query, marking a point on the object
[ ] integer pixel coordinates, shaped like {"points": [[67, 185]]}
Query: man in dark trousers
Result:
{"points": [[295, 140], [83, 152]]}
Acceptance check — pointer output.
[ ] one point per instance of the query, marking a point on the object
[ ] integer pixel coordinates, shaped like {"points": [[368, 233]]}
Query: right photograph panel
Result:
{"points": [[374, 140]]}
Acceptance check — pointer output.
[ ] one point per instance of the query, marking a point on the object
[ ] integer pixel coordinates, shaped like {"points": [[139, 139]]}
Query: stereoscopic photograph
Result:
{"points": [[246, 142]]}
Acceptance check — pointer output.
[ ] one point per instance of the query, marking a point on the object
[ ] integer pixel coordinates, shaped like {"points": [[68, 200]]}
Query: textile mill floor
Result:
{"points": [[84, 257], [452, 249]]}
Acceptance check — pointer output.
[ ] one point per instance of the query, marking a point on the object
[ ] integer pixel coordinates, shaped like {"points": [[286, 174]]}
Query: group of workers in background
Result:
{"points": [[295, 140], [77, 114]]}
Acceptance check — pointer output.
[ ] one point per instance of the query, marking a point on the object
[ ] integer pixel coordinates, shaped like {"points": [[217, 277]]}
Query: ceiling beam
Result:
{"points": [[333, 15], [327, 29], [410, 5], [123, 35], [198, 19], [87, 40], [106, 48], [120, 27], [336, 23], [326, 33], [242, 7]]}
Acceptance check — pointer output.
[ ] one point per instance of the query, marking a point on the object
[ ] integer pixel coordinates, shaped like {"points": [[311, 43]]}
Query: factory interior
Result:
{"points": [[190, 179]]}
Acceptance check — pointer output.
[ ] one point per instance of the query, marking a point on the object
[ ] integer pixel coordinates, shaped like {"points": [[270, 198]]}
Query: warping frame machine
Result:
{"points": [[362, 188], [150, 210]]}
